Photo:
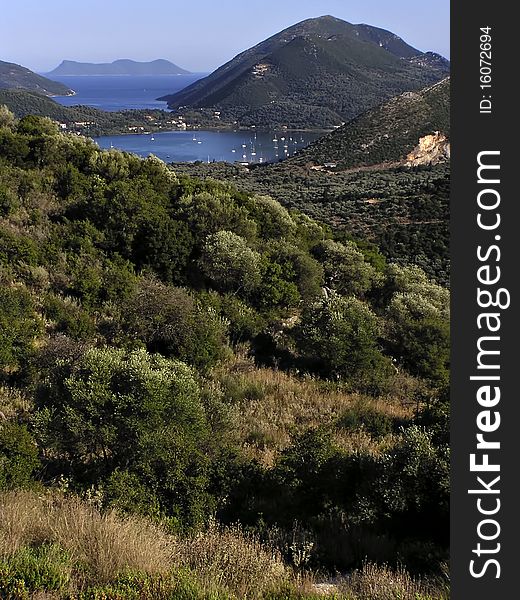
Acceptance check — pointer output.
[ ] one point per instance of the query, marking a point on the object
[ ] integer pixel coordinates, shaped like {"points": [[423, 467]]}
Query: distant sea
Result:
{"points": [[123, 92], [206, 146]]}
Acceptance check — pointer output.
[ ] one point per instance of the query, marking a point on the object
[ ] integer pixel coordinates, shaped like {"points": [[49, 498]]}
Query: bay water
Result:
{"points": [[124, 92]]}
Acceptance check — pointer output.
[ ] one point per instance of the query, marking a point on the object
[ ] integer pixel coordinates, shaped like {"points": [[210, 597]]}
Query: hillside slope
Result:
{"points": [[317, 73], [387, 133], [388, 180], [13, 76]]}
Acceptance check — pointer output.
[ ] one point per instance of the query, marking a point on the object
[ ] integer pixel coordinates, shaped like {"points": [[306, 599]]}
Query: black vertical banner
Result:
{"points": [[485, 526]]}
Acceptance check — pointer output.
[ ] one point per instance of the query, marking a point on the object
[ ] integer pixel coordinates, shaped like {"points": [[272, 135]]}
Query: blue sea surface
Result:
{"points": [[208, 146], [123, 92]]}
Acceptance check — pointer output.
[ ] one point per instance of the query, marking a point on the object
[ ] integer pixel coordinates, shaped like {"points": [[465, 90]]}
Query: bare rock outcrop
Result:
{"points": [[432, 149]]}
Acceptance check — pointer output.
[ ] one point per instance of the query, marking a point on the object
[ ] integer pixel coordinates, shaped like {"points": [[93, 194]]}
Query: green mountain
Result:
{"points": [[318, 73], [119, 67], [385, 134], [13, 76]]}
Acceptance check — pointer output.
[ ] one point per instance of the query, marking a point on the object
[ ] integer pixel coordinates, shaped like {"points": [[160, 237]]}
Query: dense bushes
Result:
{"points": [[134, 303], [172, 321], [404, 211], [339, 337], [19, 327]]}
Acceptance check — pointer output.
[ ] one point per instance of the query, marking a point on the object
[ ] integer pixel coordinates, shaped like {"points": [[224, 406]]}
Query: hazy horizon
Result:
{"points": [[198, 37]]}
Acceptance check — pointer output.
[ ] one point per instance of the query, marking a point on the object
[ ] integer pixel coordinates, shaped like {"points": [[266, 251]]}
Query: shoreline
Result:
{"points": [[217, 129]]}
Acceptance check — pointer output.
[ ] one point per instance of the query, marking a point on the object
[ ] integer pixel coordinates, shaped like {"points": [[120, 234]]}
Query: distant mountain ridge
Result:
{"points": [[118, 67], [17, 77], [317, 73]]}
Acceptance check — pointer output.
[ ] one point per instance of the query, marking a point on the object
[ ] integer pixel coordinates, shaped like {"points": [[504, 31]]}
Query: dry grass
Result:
{"points": [[271, 406], [382, 583], [229, 559], [225, 561], [12, 403], [105, 544]]}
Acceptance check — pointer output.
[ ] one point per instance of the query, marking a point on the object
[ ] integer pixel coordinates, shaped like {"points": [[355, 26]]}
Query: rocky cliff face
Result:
{"points": [[432, 149]]}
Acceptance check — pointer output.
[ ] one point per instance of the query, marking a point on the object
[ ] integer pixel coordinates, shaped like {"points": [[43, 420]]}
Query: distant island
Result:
{"points": [[118, 67], [17, 77]]}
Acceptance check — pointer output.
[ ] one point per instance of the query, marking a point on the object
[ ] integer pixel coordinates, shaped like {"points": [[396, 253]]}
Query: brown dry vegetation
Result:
{"points": [[224, 562], [374, 582], [105, 543], [270, 406]]}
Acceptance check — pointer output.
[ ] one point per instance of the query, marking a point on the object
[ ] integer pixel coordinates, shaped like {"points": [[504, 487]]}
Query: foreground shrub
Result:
{"points": [[338, 338], [31, 569], [112, 411], [180, 585]]}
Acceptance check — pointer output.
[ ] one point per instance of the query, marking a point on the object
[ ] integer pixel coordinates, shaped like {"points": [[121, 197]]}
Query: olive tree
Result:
{"points": [[116, 415], [346, 270], [339, 337], [230, 264]]}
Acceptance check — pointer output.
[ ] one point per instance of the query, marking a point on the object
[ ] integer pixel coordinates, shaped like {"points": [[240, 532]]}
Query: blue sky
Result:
{"points": [[198, 35]]}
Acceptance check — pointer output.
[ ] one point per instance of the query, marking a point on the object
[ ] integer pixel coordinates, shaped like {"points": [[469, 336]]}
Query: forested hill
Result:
{"points": [[317, 73], [118, 67], [13, 76], [189, 372], [385, 134]]}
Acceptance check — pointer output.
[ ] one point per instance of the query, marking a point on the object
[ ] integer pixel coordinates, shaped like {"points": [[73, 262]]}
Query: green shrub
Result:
{"points": [[230, 264], [18, 456], [15, 249], [338, 337], [209, 212], [244, 322], [346, 270], [42, 568], [69, 318], [371, 420], [112, 411], [171, 321], [19, 327], [180, 585]]}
